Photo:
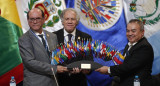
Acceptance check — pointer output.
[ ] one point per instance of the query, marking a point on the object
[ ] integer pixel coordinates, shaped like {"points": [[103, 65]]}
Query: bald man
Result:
{"points": [[35, 49]]}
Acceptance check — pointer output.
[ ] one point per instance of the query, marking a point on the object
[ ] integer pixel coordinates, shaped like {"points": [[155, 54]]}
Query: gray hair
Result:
{"points": [[138, 22], [69, 9]]}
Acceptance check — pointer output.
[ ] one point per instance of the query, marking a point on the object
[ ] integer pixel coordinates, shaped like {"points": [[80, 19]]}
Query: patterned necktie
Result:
{"points": [[44, 44], [69, 37], [43, 41]]}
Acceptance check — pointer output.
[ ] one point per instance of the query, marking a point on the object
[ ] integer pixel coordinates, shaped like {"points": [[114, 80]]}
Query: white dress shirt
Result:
{"points": [[130, 45], [43, 37], [66, 36]]}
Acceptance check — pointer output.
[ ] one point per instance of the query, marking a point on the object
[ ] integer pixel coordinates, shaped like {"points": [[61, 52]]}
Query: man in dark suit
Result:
{"points": [[35, 46], [138, 60], [69, 33]]}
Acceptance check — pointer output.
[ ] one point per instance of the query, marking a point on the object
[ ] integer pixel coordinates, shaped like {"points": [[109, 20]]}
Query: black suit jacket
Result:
{"points": [[138, 62], [79, 34], [64, 79]]}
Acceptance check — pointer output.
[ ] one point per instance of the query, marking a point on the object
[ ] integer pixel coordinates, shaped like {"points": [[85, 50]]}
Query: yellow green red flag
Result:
{"points": [[10, 31]]}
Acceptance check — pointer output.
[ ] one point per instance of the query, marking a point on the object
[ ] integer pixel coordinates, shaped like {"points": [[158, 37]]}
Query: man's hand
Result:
{"points": [[103, 70], [61, 69], [76, 70]]}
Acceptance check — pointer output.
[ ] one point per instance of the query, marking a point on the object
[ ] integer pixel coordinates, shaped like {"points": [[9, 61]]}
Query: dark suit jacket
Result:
{"points": [[36, 61], [65, 79], [138, 62], [79, 34]]}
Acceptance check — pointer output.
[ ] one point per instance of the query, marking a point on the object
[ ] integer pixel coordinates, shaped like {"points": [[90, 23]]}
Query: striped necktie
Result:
{"points": [[44, 44], [43, 41]]}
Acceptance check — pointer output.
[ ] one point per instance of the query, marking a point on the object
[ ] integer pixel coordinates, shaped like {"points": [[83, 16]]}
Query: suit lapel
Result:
{"points": [[37, 42], [78, 35], [138, 44], [50, 42], [61, 36], [126, 49]]}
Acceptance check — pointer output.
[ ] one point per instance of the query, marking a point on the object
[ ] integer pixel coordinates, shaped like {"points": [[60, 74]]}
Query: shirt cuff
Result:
{"points": [[109, 71]]}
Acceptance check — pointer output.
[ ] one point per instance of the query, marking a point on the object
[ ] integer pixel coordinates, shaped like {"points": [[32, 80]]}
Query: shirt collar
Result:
{"points": [[38, 33], [132, 43], [73, 33]]}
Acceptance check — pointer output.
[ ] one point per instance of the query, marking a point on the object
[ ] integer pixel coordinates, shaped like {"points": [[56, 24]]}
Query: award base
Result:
{"points": [[84, 64]]}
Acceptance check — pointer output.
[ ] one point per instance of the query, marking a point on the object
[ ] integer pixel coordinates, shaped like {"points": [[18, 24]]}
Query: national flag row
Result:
{"points": [[95, 48]]}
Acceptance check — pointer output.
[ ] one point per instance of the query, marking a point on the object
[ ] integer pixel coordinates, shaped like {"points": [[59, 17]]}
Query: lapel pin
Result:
{"points": [[79, 38], [47, 35]]}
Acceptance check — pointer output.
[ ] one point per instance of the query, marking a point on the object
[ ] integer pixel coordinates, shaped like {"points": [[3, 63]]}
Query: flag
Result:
{"points": [[52, 10], [148, 12], [10, 31], [104, 24]]}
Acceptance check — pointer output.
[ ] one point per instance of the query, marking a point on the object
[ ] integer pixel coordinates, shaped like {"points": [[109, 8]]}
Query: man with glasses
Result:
{"points": [[35, 49]]}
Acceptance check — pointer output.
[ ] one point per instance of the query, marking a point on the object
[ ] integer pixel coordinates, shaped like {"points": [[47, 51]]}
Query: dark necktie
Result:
{"points": [[44, 44], [127, 50], [69, 37], [126, 53], [43, 41]]}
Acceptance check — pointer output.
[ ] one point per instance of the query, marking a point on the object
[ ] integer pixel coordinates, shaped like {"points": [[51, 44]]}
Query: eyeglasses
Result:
{"points": [[35, 19]]}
